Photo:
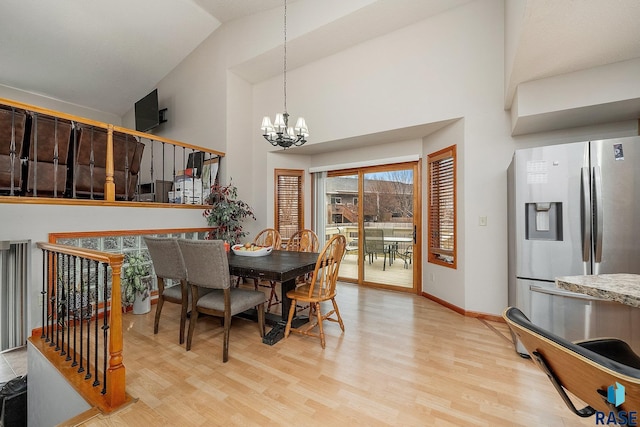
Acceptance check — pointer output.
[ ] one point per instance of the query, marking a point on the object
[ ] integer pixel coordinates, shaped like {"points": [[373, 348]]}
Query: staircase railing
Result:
{"points": [[81, 330]]}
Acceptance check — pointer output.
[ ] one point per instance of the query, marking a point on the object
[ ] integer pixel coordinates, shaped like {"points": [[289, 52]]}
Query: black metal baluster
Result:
{"points": [[163, 160], [91, 164], [174, 163], [51, 280], [43, 292], [68, 305], [35, 154], [95, 338], [152, 162], [56, 306], [89, 314], [127, 178], [64, 306], [75, 309], [82, 283], [105, 329], [55, 157], [12, 149], [76, 127]]}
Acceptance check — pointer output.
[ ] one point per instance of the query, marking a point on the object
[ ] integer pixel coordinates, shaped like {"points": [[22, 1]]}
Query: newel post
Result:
{"points": [[116, 384]]}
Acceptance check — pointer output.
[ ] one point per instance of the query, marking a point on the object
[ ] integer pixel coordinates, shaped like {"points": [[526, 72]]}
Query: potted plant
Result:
{"points": [[136, 283], [226, 214]]}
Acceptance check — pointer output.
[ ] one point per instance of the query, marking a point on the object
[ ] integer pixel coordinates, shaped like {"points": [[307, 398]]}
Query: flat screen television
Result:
{"points": [[147, 113]]}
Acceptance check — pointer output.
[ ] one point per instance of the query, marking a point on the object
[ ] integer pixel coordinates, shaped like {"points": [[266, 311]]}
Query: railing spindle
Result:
{"points": [[82, 286], [105, 329], [89, 315], [95, 338]]}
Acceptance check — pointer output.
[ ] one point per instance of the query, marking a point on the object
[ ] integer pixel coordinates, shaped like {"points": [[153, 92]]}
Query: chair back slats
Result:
{"points": [[269, 237], [206, 262], [325, 275], [303, 241], [166, 257]]}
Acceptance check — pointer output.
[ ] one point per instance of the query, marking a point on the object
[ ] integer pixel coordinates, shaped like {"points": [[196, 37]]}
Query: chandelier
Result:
{"points": [[279, 133]]}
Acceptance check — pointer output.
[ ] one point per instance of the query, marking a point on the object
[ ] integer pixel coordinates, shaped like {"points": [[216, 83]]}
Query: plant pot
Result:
{"points": [[140, 305]]}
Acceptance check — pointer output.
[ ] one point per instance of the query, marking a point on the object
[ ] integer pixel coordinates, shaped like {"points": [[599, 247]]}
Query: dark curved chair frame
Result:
{"points": [[586, 369]]}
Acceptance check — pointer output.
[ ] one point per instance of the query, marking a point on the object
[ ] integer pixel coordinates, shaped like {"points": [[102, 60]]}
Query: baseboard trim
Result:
{"points": [[462, 311]]}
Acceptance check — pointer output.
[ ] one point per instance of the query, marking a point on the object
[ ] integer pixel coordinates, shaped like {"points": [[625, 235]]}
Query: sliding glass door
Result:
{"points": [[377, 210]]}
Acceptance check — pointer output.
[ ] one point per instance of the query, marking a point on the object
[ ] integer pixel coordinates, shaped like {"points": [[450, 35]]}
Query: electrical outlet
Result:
{"points": [[432, 277], [482, 221]]}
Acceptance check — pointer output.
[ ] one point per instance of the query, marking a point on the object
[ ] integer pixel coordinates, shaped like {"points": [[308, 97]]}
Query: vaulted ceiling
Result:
{"points": [[106, 55]]}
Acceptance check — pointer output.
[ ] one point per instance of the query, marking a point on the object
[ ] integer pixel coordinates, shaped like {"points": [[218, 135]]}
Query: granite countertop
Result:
{"points": [[623, 288]]}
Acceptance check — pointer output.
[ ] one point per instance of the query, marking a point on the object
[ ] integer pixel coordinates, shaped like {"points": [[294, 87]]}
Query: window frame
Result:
{"points": [[288, 173], [436, 223]]}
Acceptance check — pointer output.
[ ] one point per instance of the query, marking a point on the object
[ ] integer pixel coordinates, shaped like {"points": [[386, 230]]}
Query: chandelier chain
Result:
{"points": [[285, 57]]}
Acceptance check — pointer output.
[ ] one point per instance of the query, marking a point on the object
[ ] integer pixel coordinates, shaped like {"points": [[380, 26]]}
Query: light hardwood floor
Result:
{"points": [[403, 361]]}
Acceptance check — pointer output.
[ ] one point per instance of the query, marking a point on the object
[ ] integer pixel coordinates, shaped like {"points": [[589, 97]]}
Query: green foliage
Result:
{"points": [[227, 214], [135, 278]]}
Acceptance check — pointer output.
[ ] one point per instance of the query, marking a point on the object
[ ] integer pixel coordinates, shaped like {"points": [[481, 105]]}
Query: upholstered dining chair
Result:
{"points": [[168, 264], [321, 287], [208, 267], [604, 372]]}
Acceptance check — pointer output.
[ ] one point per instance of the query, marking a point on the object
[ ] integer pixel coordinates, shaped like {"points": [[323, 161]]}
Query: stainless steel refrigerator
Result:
{"points": [[574, 209]]}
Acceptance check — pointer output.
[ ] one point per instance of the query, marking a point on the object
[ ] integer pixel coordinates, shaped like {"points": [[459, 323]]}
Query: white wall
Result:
{"points": [[58, 105], [445, 67]]}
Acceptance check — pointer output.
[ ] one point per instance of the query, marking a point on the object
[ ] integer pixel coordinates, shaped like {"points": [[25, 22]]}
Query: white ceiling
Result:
{"points": [[106, 55]]}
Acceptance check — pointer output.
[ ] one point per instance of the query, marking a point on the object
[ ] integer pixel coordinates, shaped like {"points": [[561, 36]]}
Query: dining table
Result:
{"points": [[394, 243], [279, 266]]}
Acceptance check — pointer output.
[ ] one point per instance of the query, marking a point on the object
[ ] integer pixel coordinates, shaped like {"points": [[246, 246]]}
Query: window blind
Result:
{"points": [[442, 207], [289, 203]]}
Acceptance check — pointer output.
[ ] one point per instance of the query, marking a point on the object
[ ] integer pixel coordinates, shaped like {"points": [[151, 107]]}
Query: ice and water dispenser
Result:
{"points": [[543, 221]]}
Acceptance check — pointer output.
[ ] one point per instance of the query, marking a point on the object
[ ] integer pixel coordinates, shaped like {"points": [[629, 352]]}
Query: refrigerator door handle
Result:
{"points": [[562, 293], [585, 203], [597, 192]]}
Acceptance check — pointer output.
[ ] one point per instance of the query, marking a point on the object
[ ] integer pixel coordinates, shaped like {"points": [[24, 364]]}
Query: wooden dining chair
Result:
{"points": [[591, 370], [268, 237], [322, 287], [208, 267], [304, 240], [168, 264]]}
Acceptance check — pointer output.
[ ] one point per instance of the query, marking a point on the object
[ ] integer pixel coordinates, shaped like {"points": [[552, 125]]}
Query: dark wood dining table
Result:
{"points": [[279, 266]]}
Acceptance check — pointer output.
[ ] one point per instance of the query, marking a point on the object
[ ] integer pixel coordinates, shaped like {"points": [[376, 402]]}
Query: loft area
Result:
{"points": [[44, 153]]}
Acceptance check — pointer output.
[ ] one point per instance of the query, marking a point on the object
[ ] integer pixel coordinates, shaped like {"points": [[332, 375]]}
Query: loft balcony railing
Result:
{"points": [[45, 153], [81, 333]]}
